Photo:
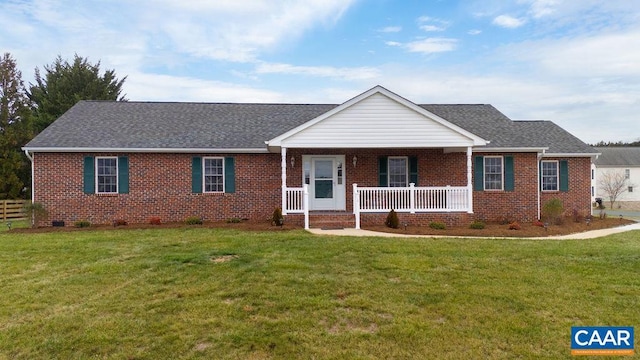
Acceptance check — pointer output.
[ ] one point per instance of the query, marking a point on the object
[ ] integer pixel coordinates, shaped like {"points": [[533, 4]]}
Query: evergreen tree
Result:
{"points": [[15, 115], [63, 84]]}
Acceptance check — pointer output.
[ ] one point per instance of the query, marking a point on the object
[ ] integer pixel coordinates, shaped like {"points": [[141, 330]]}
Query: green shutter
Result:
{"points": [[123, 175], [196, 175], [478, 175], [89, 180], [509, 181], [229, 175], [564, 175], [413, 170], [382, 171]]}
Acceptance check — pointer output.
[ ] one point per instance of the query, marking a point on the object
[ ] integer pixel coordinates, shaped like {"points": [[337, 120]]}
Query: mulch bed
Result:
{"points": [[491, 229]]}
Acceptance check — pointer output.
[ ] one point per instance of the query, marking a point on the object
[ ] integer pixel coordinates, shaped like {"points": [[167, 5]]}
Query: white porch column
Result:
{"points": [[305, 205], [469, 180], [356, 205], [283, 165]]}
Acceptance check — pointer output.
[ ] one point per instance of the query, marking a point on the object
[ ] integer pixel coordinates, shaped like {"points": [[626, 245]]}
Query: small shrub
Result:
{"points": [[154, 220], [538, 223], [234, 221], [119, 222], [277, 219], [35, 212], [82, 223], [437, 225], [477, 225], [193, 220], [552, 210], [392, 220], [514, 226]]}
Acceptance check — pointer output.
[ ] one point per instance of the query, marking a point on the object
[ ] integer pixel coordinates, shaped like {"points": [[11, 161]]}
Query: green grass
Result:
{"points": [[13, 224], [157, 294]]}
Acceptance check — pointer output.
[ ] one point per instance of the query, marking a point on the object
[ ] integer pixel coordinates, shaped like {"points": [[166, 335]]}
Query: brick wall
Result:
{"points": [[160, 185], [579, 195]]}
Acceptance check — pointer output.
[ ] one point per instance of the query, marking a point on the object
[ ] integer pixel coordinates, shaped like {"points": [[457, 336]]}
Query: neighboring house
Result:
{"points": [[378, 151], [625, 163]]}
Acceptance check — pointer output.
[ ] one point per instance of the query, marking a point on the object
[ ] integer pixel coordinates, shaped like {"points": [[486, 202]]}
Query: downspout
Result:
{"points": [[26, 152], [33, 191], [539, 157]]}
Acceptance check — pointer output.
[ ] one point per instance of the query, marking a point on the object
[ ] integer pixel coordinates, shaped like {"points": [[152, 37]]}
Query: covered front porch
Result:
{"points": [[376, 152], [326, 185]]}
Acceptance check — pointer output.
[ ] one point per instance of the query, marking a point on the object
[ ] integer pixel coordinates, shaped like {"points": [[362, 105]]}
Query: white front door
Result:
{"points": [[325, 176]]}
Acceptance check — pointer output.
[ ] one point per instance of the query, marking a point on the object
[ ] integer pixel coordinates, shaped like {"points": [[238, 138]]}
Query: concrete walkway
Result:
{"points": [[584, 235]]}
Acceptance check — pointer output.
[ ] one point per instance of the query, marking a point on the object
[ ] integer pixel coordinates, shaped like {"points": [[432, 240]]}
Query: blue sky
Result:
{"points": [[575, 62]]}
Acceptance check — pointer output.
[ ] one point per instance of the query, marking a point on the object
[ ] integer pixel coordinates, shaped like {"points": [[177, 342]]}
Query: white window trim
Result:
{"points": [[204, 175], [406, 169], [484, 173], [557, 175], [97, 188]]}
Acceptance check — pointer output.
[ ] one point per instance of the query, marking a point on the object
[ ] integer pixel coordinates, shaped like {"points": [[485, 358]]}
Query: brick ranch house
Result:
{"points": [[322, 164]]}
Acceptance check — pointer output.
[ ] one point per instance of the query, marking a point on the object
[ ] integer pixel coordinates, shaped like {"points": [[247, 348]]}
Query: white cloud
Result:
{"points": [[358, 73], [602, 55], [432, 45], [156, 87], [474, 32], [429, 28], [542, 8], [391, 29], [392, 43], [430, 24], [507, 21]]}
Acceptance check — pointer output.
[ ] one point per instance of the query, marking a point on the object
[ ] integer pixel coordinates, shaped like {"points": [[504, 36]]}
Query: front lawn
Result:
{"points": [[189, 293]]}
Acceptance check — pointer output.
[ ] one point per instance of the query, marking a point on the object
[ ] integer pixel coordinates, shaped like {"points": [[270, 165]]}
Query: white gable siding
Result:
{"points": [[377, 122]]}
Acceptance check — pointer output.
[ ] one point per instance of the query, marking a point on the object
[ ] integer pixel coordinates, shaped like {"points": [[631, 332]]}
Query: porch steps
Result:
{"points": [[331, 220]]}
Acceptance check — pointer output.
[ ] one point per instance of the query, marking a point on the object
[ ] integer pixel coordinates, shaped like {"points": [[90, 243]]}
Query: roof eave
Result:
{"points": [[145, 150]]}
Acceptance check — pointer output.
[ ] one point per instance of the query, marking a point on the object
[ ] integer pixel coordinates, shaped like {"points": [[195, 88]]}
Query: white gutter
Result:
{"points": [[570, 154], [510, 149], [145, 150]]}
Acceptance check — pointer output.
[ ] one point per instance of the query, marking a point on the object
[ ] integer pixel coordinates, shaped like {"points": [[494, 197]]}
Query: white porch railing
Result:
{"points": [[410, 199], [296, 202]]}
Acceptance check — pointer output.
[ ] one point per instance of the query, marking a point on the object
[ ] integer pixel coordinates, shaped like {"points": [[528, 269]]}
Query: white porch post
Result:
{"points": [[356, 205], [305, 205], [283, 165], [412, 198], [469, 180]]}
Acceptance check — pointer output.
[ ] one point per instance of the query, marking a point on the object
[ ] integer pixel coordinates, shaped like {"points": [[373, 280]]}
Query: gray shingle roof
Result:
{"points": [[490, 124], [618, 156], [108, 124], [163, 125]]}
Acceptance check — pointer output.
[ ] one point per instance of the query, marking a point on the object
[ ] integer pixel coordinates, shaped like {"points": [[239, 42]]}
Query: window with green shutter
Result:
{"points": [[106, 175], [213, 175]]}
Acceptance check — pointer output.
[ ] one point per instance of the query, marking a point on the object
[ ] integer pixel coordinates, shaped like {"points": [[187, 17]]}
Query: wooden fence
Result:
{"points": [[13, 209]]}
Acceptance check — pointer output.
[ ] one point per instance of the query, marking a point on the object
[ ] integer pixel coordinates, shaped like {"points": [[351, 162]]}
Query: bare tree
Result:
{"points": [[614, 184]]}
